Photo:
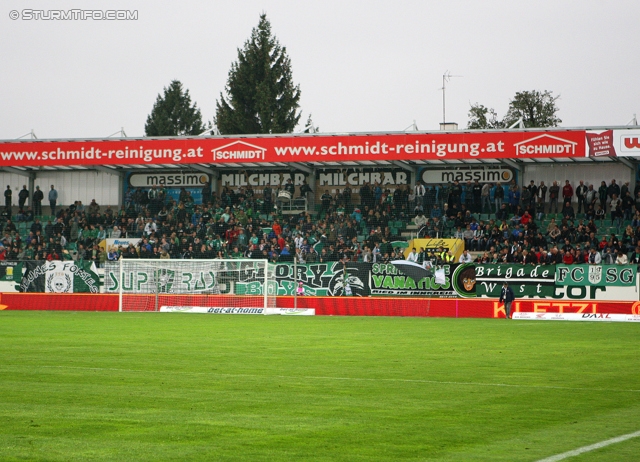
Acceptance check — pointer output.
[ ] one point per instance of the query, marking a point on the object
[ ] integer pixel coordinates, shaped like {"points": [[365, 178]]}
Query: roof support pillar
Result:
{"points": [[519, 168], [632, 166]]}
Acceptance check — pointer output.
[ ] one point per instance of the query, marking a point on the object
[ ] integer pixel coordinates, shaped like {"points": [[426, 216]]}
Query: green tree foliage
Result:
{"points": [[173, 114], [482, 117], [261, 96], [536, 109]]}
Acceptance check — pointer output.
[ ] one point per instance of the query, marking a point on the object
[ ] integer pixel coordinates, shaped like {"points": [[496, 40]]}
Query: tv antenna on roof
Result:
{"points": [[445, 78], [120, 133], [31, 135]]}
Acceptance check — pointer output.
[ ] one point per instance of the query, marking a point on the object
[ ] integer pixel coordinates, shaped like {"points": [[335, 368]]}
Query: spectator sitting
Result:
{"points": [[622, 259], [608, 256], [567, 211]]}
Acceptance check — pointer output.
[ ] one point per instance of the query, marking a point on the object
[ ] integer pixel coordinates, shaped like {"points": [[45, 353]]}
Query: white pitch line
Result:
{"points": [[355, 379], [592, 447]]}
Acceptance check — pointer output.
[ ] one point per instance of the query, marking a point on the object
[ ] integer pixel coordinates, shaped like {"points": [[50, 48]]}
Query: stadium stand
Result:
{"points": [[499, 223]]}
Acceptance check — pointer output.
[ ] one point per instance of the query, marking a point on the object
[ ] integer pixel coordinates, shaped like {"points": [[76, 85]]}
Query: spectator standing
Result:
{"points": [[468, 196], [627, 205], [38, 197], [514, 198], [477, 197], [507, 297], [498, 196], [542, 195], [7, 197], [612, 189], [23, 196], [581, 194], [534, 196], [53, 198], [602, 195], [590, 197], [455, 194], [206, 193], [567, 192], [420, 193], [554, 193], [486, 197], [527, 197]]}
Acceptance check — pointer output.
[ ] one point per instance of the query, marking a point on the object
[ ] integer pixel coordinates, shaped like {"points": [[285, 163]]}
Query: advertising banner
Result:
{"points": [[598, 317], [8, 269], [60, 277], [596, 275], [612, 143], [318, 279], [355, 178], [386, 279], [296, 148], [483, 175], [432, 245], [601, 144], [210, 310], [192, 182], [627, 142], [109, 243]]}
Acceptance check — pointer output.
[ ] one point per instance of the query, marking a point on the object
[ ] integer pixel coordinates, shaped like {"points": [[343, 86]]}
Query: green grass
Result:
{"points": [[110, 386]]}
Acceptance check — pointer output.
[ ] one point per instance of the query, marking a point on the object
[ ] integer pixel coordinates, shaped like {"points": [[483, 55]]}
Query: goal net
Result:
{"points": [[197, 286]]}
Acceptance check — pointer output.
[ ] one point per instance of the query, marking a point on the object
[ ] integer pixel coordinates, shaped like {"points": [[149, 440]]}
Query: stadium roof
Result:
{"points": [[516, 148]]}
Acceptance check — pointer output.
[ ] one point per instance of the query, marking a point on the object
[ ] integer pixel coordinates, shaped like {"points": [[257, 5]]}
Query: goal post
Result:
{"points": [[237, 286]]}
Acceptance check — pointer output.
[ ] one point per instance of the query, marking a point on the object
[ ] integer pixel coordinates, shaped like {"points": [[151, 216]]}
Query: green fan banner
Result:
{"points": [[596, 275], [525, 280], [61, 277]]}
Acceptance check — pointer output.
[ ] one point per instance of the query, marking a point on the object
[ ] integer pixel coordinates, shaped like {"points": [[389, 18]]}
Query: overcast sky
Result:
{"points": [[362, 65]]}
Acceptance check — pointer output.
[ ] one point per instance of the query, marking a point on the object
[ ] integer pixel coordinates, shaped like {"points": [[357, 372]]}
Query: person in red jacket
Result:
{"points": [[277, 229], [568, 258]]}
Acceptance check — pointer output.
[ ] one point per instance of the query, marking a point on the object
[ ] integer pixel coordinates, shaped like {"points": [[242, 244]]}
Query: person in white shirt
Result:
{"points": [[465, 257], [622, 258], [150, 227], [594, 257], [376, 253], [420, 220], [413, 256]]}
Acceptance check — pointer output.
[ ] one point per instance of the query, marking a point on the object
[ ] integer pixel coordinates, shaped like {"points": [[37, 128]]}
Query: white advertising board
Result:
{"points": [[598, 317]]}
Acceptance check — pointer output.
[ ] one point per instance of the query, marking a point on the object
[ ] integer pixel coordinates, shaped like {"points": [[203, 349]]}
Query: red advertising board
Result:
{"points": [[345, 306], [296, 148]]}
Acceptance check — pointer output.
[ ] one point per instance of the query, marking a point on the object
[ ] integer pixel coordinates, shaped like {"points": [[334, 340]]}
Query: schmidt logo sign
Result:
{"points": [[546, 144], [238, 151]]}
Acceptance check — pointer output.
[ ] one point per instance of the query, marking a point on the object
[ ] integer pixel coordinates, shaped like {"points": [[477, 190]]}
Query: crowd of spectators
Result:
{"points": [[501, 222], [231, 224], [592, 226]]}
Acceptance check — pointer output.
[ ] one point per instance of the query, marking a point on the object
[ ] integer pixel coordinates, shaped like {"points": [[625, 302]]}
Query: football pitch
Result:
{"points": [[149, 386]]}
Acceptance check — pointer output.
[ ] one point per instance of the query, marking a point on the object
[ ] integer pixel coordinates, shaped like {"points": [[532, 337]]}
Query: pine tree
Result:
{"points": [[173, 114], [261, 96]]}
